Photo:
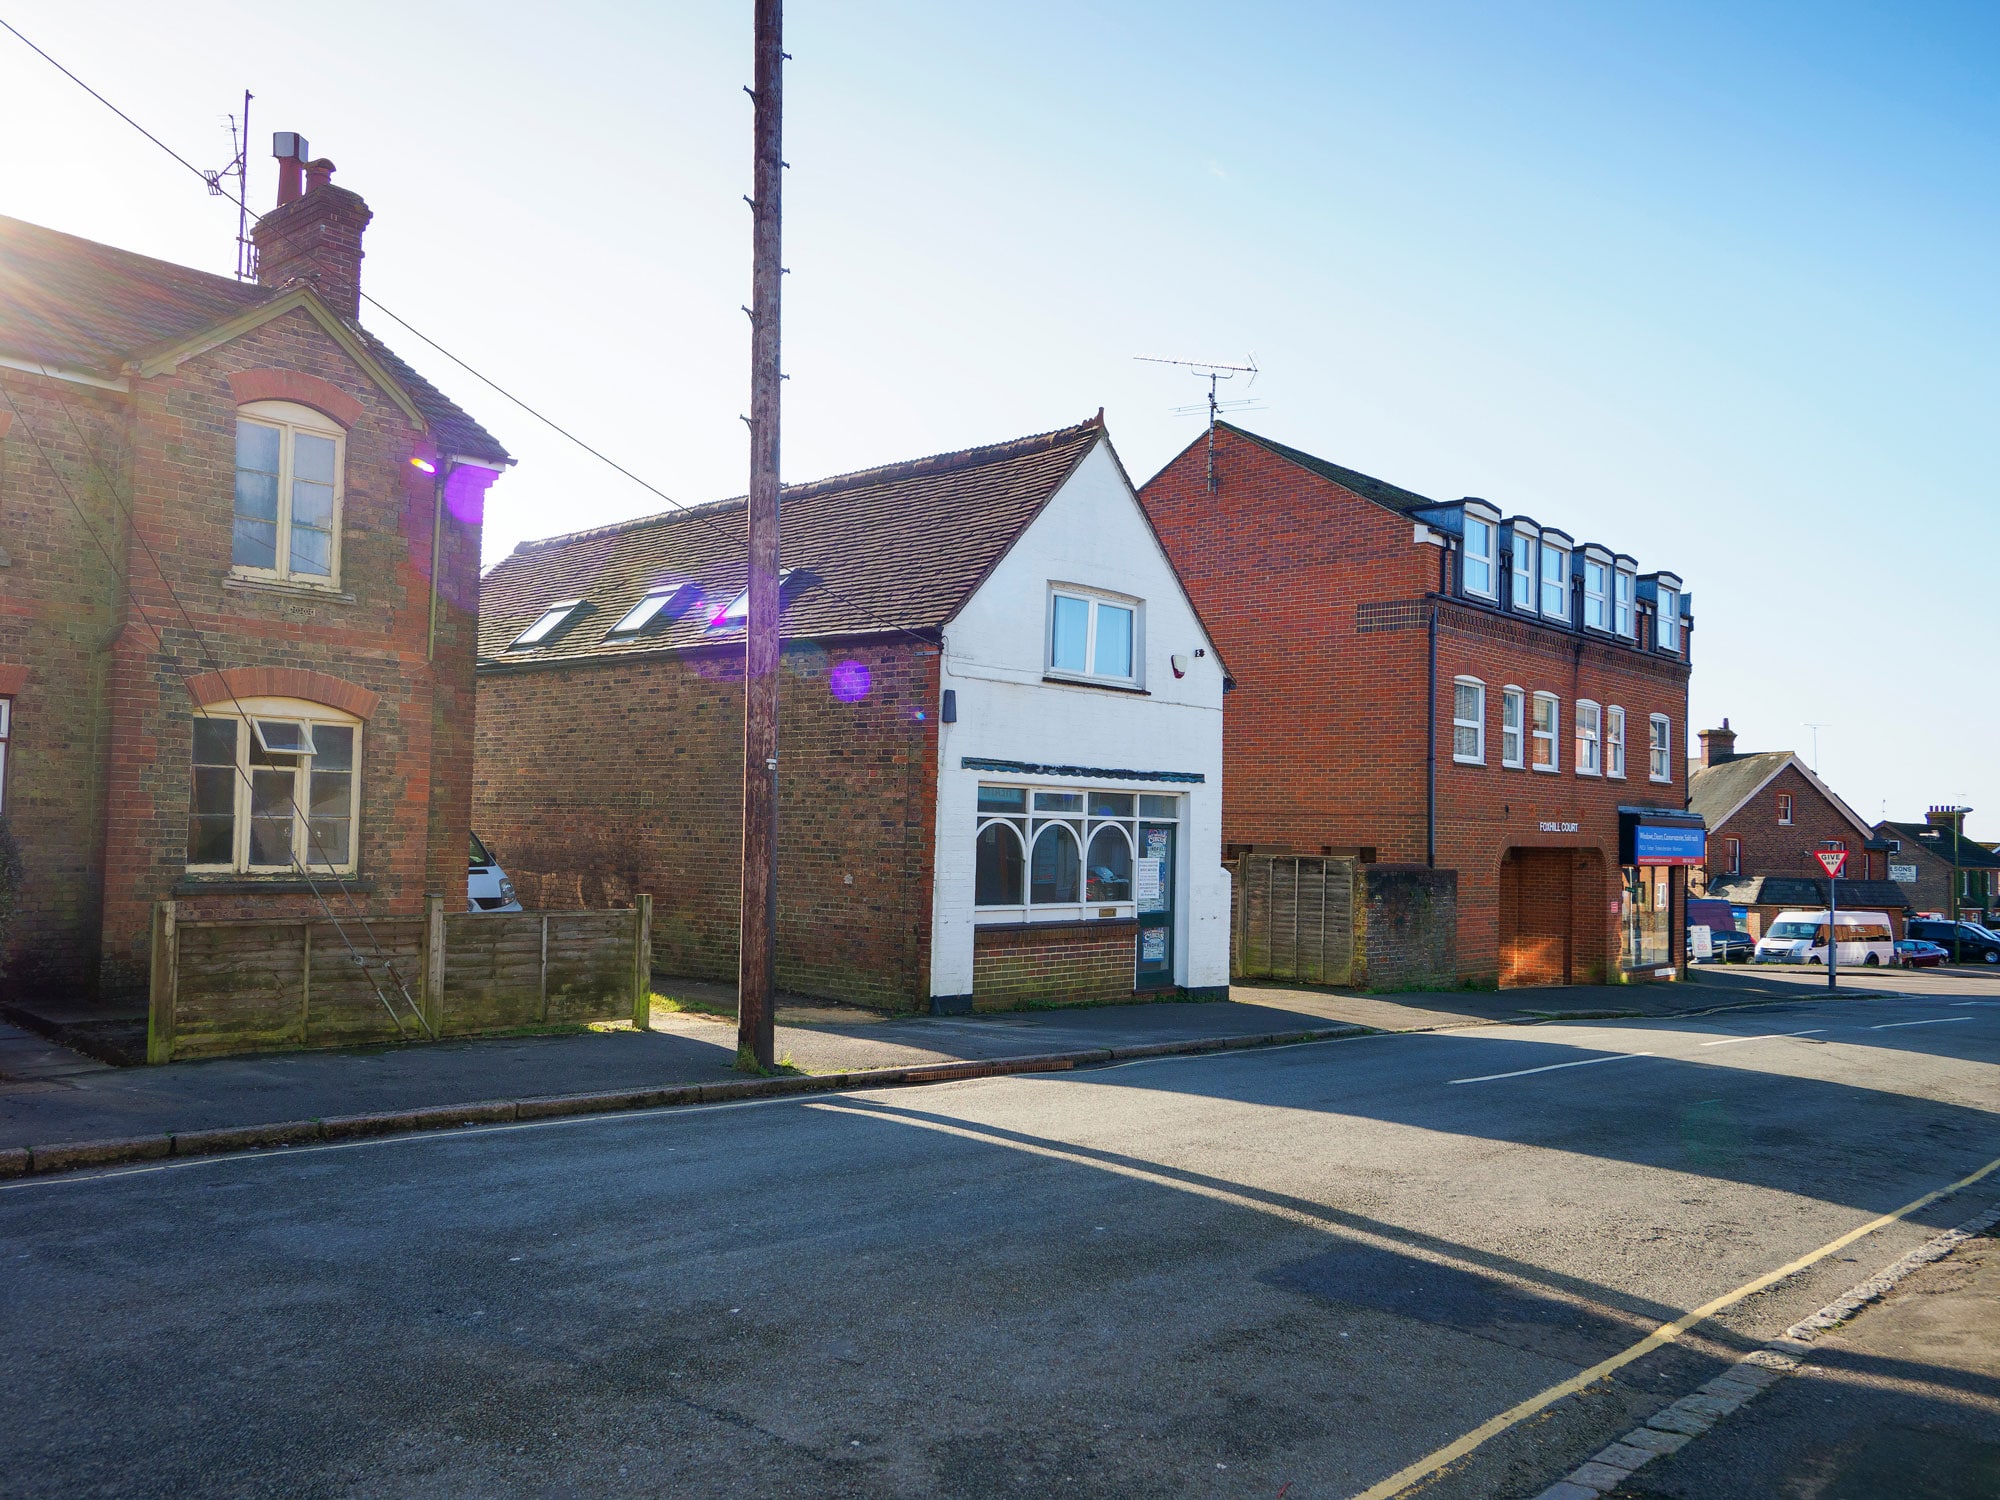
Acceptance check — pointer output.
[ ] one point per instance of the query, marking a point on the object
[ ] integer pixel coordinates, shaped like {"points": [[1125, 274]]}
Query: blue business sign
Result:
{"points": [[1668, 844]]}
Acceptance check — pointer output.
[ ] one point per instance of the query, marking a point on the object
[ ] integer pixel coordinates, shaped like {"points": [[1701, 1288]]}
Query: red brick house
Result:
{"points": [[239, 554], [1000, 771], [1435, 683]]}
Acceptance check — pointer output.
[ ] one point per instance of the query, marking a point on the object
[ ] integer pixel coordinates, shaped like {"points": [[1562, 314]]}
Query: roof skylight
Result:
{"points": [[738, 612], [671, 602], [552, 619]]}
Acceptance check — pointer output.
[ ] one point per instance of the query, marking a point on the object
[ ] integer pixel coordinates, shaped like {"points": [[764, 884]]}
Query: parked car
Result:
{"points": [[1727, 947], [1915, 953], [1801, 937], [1976, 945], [487, 887]]}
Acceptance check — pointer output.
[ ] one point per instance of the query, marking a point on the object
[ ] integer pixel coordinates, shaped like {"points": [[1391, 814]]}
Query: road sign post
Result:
{"points": [[1833, 861]]}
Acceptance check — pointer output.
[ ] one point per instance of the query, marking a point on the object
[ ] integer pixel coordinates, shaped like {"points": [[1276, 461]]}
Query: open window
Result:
{"points": [[276, 788], [659, 607], [736, 614]]}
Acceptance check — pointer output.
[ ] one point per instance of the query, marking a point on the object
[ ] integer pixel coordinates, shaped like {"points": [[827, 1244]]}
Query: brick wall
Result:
{"points": [[1320, 602], [169, 453], [1070, 962], [596, 780], [1410, 926]]}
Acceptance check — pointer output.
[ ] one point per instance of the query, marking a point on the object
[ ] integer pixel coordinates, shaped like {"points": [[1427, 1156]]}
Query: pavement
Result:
{"points": [[51, 1096], [1439, 1261]]}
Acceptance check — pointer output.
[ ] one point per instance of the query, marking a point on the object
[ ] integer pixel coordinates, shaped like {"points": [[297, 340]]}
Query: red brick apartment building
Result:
{"points": [[239, 573], [1436, 683]]}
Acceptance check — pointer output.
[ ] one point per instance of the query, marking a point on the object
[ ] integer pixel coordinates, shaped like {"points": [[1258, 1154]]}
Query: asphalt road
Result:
{"points": [[1221, 1275]]}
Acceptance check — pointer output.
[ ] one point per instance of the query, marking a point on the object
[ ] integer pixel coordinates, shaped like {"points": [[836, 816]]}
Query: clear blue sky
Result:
{"points": [[1712, 283]]}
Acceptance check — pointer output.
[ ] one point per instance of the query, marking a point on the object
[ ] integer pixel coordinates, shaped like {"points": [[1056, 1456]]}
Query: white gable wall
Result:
{"points": [[1092, 534]]}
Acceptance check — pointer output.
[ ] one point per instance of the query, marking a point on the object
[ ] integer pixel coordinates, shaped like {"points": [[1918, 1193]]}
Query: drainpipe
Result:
{"points": [[445, 466]]}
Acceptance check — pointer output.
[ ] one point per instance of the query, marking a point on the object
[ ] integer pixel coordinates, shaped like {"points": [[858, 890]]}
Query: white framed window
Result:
{"points": [[289, 463], [1555, 581], [6, 739], [547, 623], [1480, 575], [1548, 724], [1732, 854], [735, 615], [1071, 853], [1785, 809], [664, 603], [1614, 742], [1093, 637], [1589, 738], [1669, 628], [1524, 571], [1468, 721], [276, 787], [1661, 766], [1596, 594], [1513, 726], [1623, 621]]}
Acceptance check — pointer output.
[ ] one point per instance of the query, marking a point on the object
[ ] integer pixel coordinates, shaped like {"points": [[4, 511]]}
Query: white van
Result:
{"points": [[1799, 937], [487, 887]]}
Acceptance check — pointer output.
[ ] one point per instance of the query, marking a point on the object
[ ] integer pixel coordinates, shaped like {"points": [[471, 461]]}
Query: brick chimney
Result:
{"points": [[313, 235], [1945, 817], [1718, 745]]}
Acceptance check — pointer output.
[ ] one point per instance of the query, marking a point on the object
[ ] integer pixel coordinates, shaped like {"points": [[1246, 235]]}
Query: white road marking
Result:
{"points": [[1768, 1036], [1551, 1067], [1934, 1021]]}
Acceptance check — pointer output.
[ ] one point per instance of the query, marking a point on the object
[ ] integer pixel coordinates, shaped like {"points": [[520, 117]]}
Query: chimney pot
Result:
{"points": [[1718, 745], [318, 174], [314, 234]]}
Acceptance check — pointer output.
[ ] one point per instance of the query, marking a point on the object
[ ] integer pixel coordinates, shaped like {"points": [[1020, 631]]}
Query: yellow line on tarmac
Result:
{"points": [[1665, 1334]]}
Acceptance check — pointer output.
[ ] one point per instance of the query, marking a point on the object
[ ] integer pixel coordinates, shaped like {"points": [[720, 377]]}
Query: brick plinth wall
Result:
{"points": [[1069, 962]]}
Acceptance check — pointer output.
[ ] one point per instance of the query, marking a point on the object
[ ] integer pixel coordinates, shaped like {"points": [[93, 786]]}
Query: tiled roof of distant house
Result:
{"points": [[1938, 841]]}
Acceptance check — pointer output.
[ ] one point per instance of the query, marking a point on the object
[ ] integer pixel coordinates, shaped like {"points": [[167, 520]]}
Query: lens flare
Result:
{"points": [[425, 464], [850, 681]]}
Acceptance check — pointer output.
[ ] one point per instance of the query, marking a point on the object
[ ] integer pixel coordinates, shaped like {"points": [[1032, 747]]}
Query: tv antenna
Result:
{"points": [[1816, 728], [238, 168], [1214, 373]]}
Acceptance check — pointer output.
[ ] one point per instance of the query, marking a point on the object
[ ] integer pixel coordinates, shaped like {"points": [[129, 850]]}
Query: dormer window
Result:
{"points": [[289, 460], [1624, 582], [1522, 580], [1555, 579], [1596, 571], [1670, 619], [658, 605], [1093, 637], [1481, 555], [552, 619]]}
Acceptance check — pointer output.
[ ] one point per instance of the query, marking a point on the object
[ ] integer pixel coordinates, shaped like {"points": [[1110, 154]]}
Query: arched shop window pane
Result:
{"points": [[1109, 868], [998, 878], [1056, 874]]}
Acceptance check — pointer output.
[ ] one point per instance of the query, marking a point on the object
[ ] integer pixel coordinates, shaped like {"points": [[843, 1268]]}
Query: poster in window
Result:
{"points": [[1152, 945], [1146, 883]]}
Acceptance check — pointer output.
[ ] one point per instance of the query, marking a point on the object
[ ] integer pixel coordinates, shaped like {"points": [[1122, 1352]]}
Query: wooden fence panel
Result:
{"points": [[241, 987], [492, 971], [1294, 919], [350, 983], [590, 965]]}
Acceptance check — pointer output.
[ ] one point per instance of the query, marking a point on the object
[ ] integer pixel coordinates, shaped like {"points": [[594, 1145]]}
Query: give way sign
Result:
{"points": [[1834, 861]]}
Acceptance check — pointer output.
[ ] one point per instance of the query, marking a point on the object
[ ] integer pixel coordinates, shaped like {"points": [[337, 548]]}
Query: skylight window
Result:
{"points": [[552, 619], [738, 612], [670, 603]]}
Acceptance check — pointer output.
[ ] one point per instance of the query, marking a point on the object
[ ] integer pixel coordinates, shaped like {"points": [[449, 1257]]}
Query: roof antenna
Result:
{"points": [[1212, 372], [1816, 728], [239, 168]]}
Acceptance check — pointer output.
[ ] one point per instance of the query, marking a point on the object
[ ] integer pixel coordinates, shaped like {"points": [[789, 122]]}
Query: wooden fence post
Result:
{"points": [[434, 963], [160, 1002], [642, 964]]}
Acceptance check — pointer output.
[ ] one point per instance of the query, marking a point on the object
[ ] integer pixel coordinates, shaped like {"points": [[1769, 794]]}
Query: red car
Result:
{"points": [[1915, 953]]}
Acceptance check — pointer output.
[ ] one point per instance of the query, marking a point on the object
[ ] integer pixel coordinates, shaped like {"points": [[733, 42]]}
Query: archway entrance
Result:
{"points": [[1552, 917]]}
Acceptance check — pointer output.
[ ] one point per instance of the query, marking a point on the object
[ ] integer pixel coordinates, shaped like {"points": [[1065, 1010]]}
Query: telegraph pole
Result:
{"points": [[757, 955]]}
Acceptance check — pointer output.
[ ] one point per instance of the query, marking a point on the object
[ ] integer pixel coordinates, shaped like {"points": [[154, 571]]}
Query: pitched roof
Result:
{"points": [[1368, 488], [1971, 856], [901, 547], [73, 304], [1720, 791], [1807, 891]]}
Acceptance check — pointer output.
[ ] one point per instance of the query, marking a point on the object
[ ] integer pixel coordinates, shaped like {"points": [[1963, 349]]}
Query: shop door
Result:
{"points": [[1154, 894]]}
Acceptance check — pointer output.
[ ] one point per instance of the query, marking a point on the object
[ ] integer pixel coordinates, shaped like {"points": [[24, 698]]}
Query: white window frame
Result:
{"points": [[1784, 809], [1589, 738], [1027, 825], [736, 615], [1477, 724], [1624, 611], [1489, 531], [1552, 737], [1514, 757], [1614, 742], [1667, 628], [243, 714], [290, 419], [1734, 847], [1659, 748], [1559, 582], [1526, 569], [545, 624], [6, 740], [1096, 600], [641, 615], [1597, 601]]}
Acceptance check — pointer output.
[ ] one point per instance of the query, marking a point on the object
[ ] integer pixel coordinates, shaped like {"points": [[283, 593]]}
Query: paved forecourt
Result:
{"points": [[1212, 1275]]}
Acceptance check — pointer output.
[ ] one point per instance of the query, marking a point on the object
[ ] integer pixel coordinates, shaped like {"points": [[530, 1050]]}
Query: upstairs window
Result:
{"points": [[1669, 629], [289, 461], [1513, 710], [1732, 855], [1092, 637], [1468, 721], [1614, 742], [659, 605], [1555, 582], [276, 788], [1662, 757], [1589, 737], [1785, 809], [6, 738], [1548, 721], [1596, 595], [1623, 620], [1480, 577], [546, 624], [737, 614], [1524, 572]]}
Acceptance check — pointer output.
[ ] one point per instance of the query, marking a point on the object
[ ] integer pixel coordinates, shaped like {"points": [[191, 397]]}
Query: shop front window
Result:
{"points": [[1645, 910], [1059, 853]]}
